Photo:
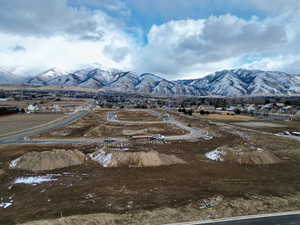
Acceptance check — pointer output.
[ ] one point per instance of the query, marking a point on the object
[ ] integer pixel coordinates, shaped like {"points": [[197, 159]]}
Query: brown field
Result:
{"points": [[226, 117], [137, 116], [62, 102], [120, 190], [95, 125], [90, 188], [18, 122], [285, 126]]}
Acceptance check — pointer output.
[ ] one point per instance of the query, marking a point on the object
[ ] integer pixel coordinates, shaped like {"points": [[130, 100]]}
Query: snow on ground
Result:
{"points": [[34, 180], [216, 155], [5, 204], [103, 159], [13, 163]]}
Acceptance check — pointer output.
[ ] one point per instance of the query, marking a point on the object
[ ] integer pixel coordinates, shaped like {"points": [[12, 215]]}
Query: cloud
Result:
{"points": [[55, 34], [187, 41], [19, 48], [50, 18], [177, 46]]}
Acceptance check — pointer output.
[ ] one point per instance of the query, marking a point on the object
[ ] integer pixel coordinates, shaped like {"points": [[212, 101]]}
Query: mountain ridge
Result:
{"points": [[236, 82]]}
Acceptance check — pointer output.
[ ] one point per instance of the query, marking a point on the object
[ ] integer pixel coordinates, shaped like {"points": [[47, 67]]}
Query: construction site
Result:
{"points": [[142, 166]]}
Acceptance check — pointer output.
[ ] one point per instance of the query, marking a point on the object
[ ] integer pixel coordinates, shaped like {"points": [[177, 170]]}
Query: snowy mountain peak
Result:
{"points": [[224, 83]]}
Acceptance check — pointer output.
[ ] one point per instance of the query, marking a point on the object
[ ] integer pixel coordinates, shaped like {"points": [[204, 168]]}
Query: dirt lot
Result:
{"points": [[95, 125], [91, 189], [283, 126], [226, 117], [18, 122], [135, 195], [62, 102], [134, 115]]}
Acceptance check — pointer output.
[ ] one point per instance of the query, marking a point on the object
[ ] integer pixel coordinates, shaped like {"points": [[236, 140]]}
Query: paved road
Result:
{"points": [[289, 219], [235, 127], [194, 133], [21, 137]]}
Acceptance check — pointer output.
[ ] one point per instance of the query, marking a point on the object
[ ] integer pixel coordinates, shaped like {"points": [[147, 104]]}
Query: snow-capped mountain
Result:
{"points": [[224, 83], [47, 77], [9, 77], [247, 82]]}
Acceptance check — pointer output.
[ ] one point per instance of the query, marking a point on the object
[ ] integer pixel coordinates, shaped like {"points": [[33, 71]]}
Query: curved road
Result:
{"points": [[194, 133], [21, 137]]}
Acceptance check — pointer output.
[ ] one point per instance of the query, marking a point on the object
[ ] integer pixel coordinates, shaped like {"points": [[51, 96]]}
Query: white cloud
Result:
{"points": [[68, 38], [36, 35], [182, 46]]}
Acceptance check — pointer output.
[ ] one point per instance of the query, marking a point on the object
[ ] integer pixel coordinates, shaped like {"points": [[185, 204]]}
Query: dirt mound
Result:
{"points": [[142, 131], [134, 159], [48, 160], [242, 156], [256, 158]]}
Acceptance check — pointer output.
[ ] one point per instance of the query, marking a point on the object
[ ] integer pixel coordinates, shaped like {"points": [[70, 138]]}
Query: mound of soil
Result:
{"points": [[142, 131], [134, 159], [257, 158], [48, 160], [242, 156]]}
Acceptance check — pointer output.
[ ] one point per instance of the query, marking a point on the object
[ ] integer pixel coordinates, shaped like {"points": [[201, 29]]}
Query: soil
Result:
{"points": [[134, 115], [207, 209], [94, 125], [259, 124], [134, 159], [48, 160], [18, 122], [162, 194]]}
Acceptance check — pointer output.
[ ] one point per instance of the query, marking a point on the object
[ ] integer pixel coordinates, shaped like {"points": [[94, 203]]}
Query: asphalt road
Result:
{"points": [[194, 133], [21, 137], [276, 220], [293, 219]]}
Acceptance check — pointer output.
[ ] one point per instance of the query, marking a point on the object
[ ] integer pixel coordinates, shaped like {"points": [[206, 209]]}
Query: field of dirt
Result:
{"points": [[18, 122], [137, 115], [62, 102], [226, 117], [200, 188], [95, 125]]}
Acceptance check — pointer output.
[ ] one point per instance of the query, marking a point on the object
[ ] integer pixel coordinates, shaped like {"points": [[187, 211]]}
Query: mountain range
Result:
{"points": [[224, 83]]}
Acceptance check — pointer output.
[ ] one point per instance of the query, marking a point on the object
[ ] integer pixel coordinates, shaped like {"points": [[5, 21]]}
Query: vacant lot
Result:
{"points": [[134, 115], [95, 125], [89, 188], [226, 117], [259, 124], [18, 122]]}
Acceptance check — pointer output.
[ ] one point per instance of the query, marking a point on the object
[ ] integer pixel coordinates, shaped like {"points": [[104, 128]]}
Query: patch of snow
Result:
{"points": [[103, 159], [216, 155], [13, 164], [34, 180], [5, 204]]}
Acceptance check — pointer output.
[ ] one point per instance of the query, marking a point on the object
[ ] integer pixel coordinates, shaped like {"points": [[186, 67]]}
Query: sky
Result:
{"points": [[178, 39]]}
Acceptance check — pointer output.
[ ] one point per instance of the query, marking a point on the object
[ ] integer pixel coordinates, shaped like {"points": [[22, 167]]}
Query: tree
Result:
{"points": [[237, 111]]}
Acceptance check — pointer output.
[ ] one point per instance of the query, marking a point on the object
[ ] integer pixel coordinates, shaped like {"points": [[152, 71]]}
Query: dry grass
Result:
{"points": [[134, 115], [18, 122], [126, 190], [95, 125], [226, 117], [120, 190]]}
